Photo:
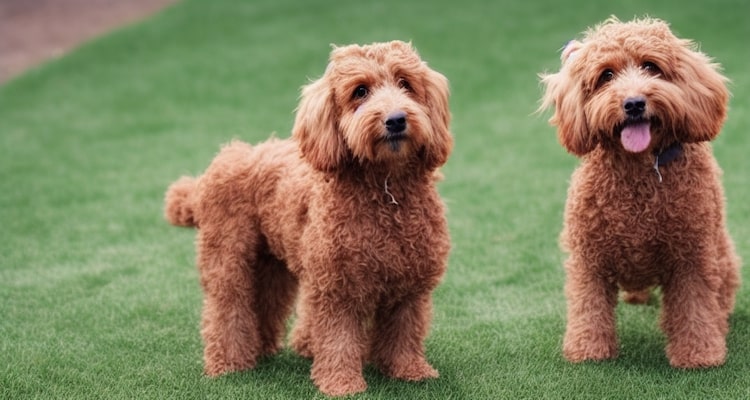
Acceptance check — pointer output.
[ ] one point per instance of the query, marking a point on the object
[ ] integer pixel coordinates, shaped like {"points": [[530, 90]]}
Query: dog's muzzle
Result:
{"points": [[395, 126], [396, 122], [635, 106]]}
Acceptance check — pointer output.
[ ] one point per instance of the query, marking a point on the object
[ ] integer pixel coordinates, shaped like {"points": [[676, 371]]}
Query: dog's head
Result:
{"points": [[378, 104], [634, 86]]}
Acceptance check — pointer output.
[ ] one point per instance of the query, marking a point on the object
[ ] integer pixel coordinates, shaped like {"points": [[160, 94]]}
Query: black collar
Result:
{"points": [[668, 154]]}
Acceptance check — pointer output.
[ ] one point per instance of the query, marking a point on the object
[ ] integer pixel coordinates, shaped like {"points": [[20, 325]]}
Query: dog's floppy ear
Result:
{"points": [[440, 144], [704, 92], [566, 95], [569, 117], [316, 129]]}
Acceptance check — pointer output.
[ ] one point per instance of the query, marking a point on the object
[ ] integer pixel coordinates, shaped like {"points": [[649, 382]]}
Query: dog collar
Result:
{"points": [[669, 154], [666, 156]]}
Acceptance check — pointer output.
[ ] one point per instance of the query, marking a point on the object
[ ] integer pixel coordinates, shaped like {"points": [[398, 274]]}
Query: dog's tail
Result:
{"points": [[179, 202]]}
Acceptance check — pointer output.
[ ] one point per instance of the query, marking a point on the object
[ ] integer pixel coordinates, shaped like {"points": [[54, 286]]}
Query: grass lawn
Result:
{"points": [[99, 296]]}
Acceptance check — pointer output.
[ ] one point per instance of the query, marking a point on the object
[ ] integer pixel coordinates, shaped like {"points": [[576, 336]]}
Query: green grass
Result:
{"points": [[99, 297]]}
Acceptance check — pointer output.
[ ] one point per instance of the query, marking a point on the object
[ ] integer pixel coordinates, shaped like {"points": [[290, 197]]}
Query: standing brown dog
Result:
{"points": [[646, 205], [346, 212]]}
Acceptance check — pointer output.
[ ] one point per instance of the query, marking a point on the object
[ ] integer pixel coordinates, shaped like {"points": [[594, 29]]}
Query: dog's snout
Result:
{"points": [[635, 106], [396, 122]]}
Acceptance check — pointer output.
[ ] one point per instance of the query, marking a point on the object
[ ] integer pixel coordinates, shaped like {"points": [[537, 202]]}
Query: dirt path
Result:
{"points": [[33, 31]]}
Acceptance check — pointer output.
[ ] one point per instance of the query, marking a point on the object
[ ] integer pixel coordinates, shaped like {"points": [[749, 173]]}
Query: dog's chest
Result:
{"points": [[394, 247], [638, 227], [397, 236]]}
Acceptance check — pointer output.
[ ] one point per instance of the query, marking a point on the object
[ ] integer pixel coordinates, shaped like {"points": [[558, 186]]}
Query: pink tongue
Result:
{"points": [[635, 138]]}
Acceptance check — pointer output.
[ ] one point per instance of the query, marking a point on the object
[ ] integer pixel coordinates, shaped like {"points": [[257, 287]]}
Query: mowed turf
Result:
{"points": [[99, 296]]}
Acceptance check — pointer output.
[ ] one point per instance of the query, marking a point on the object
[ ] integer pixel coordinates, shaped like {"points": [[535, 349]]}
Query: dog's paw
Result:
{"points": [[696, 356], [214, 369], [589, 351], [414, 370], [270, 349], [341, 385], [302, 347]]}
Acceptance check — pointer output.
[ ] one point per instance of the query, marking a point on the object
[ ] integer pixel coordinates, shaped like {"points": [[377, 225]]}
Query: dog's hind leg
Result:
{"points": [[636, 296], [398, 339], [301, 340], [229, 322], [729, 262], [276, 289]]}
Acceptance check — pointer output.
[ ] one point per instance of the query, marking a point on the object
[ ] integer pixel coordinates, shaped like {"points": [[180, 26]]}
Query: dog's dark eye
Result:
{"points": [[404, 84], [651, 68], [606, 76], [360, 92]]}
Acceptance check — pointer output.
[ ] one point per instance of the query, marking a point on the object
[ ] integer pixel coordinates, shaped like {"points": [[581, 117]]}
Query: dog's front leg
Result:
{"points": [[591, 300], [693, 321], [339, 344], [398, 347]]}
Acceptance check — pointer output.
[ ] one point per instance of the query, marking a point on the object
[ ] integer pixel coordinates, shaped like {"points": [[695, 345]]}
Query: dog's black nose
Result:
{"points": [[396, 122], [635, 106]]}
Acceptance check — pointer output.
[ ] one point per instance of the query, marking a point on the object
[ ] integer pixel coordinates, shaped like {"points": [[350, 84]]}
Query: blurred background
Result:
{"points": [[32, 32], [104, 103]]}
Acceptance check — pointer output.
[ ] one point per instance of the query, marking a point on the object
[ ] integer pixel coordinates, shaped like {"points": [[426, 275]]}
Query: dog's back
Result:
{"points": [[239, 174]]}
